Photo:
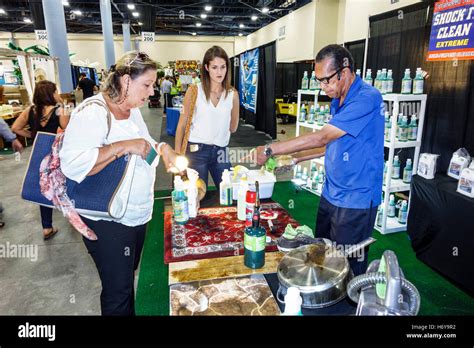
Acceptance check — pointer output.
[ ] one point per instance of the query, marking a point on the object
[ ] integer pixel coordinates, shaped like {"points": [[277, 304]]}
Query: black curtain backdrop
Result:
{"points": [[357, 49], [265, 119], [399, 39], [288, 78]]}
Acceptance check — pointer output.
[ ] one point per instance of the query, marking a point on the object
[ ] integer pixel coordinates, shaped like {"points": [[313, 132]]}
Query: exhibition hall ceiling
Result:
{"points": [[172, 17]]}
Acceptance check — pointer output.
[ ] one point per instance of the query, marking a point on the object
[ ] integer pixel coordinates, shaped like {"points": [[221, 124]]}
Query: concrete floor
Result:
{"points": [[57, 277]]}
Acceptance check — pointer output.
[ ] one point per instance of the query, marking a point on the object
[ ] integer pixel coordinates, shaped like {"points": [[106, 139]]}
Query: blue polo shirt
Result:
{"points": [[354, 162]]}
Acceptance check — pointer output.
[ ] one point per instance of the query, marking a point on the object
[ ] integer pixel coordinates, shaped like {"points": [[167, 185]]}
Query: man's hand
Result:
{"points": [[16, 145], [260, 155]]}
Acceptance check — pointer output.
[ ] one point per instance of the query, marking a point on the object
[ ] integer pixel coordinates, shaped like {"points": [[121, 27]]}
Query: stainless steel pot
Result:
{"points": [[320, 271]]}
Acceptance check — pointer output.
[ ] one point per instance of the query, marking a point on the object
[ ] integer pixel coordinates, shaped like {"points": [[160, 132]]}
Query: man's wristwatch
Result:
{"points": [[268, 152]]}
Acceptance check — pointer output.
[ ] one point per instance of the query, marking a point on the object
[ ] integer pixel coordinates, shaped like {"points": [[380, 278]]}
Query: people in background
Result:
{"points": [[354, 153], [87, 149], [195, 77], [216, 116], [87, 86], [45, 115], [166, 86]]}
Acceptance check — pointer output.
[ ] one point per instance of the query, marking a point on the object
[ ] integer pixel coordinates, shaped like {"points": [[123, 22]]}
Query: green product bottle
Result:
{"points": [[406, 82], [408, 172], [391, 207], [303, 113], [399, 123], [383, 81], [396, 168], [180, 202], [305, 81], [255, 238], [388, 126], [403, 213], [418, 82], [377, 82], [385, 169], [403, 129], [311, 115], [413, 128], [378, 220], [315, 180], [312, 82]]}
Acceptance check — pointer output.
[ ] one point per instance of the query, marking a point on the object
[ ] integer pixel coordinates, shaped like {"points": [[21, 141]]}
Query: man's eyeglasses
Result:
{"points": [[326, 80]]}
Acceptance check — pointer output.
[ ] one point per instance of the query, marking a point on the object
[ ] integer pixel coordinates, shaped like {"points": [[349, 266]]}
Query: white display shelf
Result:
{"points": [[392, 226], [302, 184], [397, 97], [402, 144], [396, 185], [311, 92], [311, 125]]}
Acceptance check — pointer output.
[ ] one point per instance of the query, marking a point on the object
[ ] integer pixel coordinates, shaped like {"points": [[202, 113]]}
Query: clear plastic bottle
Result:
{"points": [[241, 195], [406, 82], [358, 72], [384, 81], [413, 128], [312, 82], [403, 136], [377, 82], [418, 82], [389, 81], [391, 207], [225, 189], [388, 126], [193, 194], [399, 123], [396, 168], [403, 213], [293, 302], [303, 113], [311, 115], [368, 77], [305, 81], [408, 172]]}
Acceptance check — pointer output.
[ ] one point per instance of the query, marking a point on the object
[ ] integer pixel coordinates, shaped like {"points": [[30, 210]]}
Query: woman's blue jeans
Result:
{"points": [[208, 158]]}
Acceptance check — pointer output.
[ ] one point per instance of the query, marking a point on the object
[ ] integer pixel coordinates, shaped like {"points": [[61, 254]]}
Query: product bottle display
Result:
{"points": [[403, 213], [378, 81], [298, 172], [389, 80], [180, 202], [413, 128], [241, 196], [311, 115], [305, 81], [384, 81], [418, 82], [225, 189], [406, 82], [407, 172], [304, 176], [358, 72], [388, 126], [385, 170], [315, 180], [396, 168], [391, 207], [255, 238]]}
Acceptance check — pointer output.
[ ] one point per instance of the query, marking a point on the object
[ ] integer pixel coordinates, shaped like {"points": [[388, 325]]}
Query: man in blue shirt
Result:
{"points": [[354, 156]]}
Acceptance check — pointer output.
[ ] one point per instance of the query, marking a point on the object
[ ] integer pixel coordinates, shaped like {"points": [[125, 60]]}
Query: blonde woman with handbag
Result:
{"points": [[210, 114], [89, 145]]}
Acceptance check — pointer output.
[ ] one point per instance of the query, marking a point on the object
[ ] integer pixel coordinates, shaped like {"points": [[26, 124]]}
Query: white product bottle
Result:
{"points": [[391, 207], [403, 213], [293, 302], [368, 77], [305, 81], [384, 81], [312, 82], [389, 82], [358, 72], [225, 189], [406, 82], [241, 195], [413, 128], [396, 168]]}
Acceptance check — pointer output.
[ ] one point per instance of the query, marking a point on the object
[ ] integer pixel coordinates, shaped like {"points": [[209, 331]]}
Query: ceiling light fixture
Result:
{"points": [[194, 34], [254, 18], [65, 3], [27, 20], [208, 8], [265, 10], [77, 12], [198, 24], [240, 34], [203, 15], [241, 25], [135, 14], [131, 6], [2, 11], [140, 23]]}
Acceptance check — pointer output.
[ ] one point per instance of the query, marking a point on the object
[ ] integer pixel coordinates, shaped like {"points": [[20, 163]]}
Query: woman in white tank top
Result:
{"points": [[216, 115]]}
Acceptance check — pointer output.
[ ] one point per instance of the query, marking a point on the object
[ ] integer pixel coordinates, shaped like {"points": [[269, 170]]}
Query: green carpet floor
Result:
{"points": [[438, 295]]}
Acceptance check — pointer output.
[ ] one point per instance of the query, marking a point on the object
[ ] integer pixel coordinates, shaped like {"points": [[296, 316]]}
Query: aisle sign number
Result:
{"points": [[148, 36], [41, 35]]}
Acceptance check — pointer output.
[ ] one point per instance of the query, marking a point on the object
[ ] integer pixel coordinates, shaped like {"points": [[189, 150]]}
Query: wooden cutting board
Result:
{"points": [[223, 267]]}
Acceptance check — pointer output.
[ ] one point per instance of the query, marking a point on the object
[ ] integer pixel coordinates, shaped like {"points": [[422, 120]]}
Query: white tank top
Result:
{"points": [[211, 124]]}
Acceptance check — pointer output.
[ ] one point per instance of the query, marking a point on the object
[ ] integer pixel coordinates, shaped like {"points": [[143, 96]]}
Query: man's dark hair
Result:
{"points": [[341, 57], [82, 75]]}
